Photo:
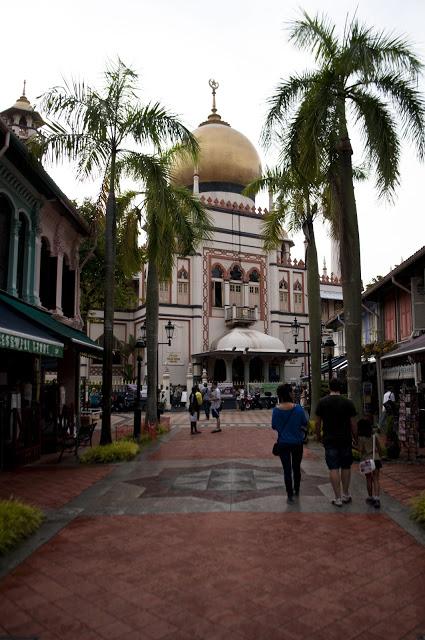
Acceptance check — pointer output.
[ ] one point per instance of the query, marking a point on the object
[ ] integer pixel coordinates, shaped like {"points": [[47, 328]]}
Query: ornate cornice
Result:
{"points": [[17, 187]]}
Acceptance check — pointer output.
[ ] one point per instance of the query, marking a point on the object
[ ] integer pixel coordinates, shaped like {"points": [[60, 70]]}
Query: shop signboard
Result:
{"points": [[16, 342]]}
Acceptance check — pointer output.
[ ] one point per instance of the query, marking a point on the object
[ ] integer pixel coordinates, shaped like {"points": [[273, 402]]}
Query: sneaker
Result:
{"points": [[370, 500], [337, 502], [290, 500], [215, 430], [346, 499], [377, 503]]}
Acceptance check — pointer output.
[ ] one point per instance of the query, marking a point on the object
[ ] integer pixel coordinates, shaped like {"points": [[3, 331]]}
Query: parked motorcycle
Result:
{"points": [[256, 402]]}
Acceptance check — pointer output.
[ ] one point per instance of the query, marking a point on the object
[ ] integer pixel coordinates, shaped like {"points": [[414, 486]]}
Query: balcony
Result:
{"points": [[234, 315]]}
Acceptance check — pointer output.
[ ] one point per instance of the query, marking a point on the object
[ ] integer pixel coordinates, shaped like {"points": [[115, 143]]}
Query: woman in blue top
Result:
{"points": [[289, 420]]}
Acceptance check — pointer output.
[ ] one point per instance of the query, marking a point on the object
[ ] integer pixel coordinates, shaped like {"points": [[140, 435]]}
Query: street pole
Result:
{"points": [[138, 409], [330, 366], [309, 372]]}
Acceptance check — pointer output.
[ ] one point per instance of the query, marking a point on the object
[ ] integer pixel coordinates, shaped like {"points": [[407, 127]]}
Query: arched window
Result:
{"points": [[6, 212], [254, 288], [48, 272], [23, 122], [254, 276], [22, 242], [256, 370], [236, 291], [68, 290], [298, 296], [283, 295], [182, 286], [220, 370], [217, 286], [236, 272]]}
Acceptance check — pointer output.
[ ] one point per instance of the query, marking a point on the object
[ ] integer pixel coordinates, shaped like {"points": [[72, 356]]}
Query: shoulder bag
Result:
{"points": [[368, 466]]}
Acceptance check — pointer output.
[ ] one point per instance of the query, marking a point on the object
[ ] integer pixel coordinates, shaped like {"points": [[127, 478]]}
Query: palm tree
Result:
{"points": [[297, 205], [371, 77], [175, 223], [98, 129]]}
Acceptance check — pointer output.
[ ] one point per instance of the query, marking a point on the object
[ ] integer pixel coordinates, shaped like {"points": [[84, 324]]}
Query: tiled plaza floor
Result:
{"points": [[195, 540]]}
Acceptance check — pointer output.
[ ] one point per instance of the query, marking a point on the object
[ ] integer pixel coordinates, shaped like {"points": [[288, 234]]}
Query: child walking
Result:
{"points": [[370, 449]]}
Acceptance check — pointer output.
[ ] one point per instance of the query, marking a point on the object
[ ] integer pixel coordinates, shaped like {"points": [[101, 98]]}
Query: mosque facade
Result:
{"points": [[232, 303]]}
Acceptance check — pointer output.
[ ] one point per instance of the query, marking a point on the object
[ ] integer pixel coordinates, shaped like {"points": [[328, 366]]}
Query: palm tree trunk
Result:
{"points": [[350, 268], [314, 313], [152, 305], [108, 314]]}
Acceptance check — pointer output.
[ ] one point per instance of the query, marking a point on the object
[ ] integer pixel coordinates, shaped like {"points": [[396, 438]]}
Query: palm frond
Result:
{"points": [[380, 137], [316, 34], [155, 125], [410, 105]]}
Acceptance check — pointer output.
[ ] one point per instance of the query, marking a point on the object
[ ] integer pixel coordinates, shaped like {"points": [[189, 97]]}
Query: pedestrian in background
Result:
{"points": [[206, 400], [335, 415], [199, 400], [290, 422], [216, 406], [193, 411]]}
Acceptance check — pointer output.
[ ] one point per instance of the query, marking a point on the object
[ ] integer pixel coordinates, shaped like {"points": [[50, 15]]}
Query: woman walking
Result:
{"points": [[290, 422]]}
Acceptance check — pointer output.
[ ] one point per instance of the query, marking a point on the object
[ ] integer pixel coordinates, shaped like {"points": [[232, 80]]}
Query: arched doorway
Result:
{"points": [[256, 370], [219, 370], [237, 371], [6, 212]]}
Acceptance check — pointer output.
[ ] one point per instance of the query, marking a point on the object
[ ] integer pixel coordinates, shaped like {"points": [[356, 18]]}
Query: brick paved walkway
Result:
{"points": [[195, 541], [403, 481]]}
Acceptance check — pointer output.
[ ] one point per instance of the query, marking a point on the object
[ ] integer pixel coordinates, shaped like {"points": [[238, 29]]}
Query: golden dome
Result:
{"points": [[226, 156]]}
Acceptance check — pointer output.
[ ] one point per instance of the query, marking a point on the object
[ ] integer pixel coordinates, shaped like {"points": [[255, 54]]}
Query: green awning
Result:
{"points": [[45, 321]]}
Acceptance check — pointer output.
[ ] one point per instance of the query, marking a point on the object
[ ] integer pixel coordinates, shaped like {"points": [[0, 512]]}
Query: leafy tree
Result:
{"points": [[92, 255], [297, 206], [372, 77], [97, 129], [175, 224]]}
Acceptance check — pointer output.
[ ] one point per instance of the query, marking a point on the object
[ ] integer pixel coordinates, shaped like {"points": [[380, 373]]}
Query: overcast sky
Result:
{"points": [[176, 46]]}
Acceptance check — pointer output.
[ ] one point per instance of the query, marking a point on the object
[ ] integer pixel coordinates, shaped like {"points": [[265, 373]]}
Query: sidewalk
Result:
{"points": [[195, 540]]}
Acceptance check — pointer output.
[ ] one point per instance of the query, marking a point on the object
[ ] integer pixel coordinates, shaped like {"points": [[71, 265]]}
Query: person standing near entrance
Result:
{"points": [[387, 406], [335, 416], [216, 406]]}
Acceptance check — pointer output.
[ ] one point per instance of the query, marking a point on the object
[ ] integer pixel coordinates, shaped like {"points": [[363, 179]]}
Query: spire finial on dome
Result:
{"points": [[23, 90], [214, 86]]}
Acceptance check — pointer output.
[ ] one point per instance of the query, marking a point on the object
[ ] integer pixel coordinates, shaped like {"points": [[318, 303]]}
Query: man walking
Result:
{"points": [[336, 415], [216, 406]]}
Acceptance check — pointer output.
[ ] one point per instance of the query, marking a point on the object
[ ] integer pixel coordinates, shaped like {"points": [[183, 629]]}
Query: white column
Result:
{"points": [[196, 285], [228, 364], [37, 267], [59, 272], [28, 270], [13, 256], [246, 371], [166, 388], [226, 285], [245, 294], [189, 382]]}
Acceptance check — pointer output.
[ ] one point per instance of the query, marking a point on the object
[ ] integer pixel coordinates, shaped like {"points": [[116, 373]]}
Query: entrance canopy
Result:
{"points": [[18, 334], [30, 322], [243, 340]]}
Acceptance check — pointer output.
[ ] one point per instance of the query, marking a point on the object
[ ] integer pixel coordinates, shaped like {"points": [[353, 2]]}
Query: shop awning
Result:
{"points": [[18, 334], [339, 362], [40, 319], [411, 347]]}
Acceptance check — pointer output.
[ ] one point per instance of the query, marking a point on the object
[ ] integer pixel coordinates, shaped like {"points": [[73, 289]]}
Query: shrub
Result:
{"points": [[17, 521], [417, 512], [115, 452]]}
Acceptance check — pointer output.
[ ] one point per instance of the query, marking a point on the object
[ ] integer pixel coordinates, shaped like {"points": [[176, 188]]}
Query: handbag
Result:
{"points": [[276, 446], [368, 466]]}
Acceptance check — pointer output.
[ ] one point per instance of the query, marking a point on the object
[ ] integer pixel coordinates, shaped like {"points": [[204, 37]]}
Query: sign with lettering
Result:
{"points": [[30, 345], [174, 357]]}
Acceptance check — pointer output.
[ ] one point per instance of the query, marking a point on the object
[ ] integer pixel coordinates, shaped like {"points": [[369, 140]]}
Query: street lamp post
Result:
{"points": [[169, 332], [295, 328], [140, 344], [328, 351]]}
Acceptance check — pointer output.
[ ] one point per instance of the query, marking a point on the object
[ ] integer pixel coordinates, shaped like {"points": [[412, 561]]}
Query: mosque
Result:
{"points": [[232, 303]]}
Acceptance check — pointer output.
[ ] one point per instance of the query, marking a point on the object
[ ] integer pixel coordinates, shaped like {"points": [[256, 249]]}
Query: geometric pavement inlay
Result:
{"points": [[226, 482]]}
